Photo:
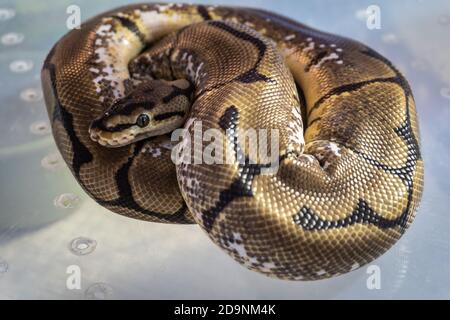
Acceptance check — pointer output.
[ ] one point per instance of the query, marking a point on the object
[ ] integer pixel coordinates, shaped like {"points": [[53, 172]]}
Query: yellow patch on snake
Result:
{"points": [[156, 24]]}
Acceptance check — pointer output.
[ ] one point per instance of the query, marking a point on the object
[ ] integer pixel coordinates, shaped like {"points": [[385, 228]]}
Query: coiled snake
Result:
{"points": [[346, 186]]}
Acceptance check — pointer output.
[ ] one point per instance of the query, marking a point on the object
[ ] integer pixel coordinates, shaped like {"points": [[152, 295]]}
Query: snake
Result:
{"points": [[146, 99]]}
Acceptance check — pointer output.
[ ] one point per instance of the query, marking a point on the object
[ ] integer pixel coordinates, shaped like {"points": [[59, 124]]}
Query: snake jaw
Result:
{"points": [[115, 143], [110, 139]]}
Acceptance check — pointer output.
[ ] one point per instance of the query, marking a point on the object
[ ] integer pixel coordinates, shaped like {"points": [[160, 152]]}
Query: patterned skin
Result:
{"points": [[350, 172]]}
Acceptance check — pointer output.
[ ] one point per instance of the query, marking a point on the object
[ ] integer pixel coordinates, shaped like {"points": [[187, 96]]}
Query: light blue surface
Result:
{"points": [[124, 258]]}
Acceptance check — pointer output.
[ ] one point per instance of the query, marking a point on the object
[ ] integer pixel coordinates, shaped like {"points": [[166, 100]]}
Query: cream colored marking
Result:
{"points": [[267, 266], [157, 24], [355, 266], [309, 158], [113, 51], [295, 129], [238, 247], [309, 47], [331, 56], [249, 24], [335, 149], [289, 37], [154, 152], [103, 29], [321, 272], [192, 183], [162, 7]]}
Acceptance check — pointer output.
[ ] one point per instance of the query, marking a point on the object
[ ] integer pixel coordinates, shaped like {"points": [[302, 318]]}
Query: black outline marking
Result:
{"points": [[130, 25], [350, 87], [315, 120], [242, 184], [302, 105], [125, 192], [315, 60], [128, 104], [363, 213], [252, 75], [177, 91], [203, 12], [99, 124], [167, 115], [81, 155]]}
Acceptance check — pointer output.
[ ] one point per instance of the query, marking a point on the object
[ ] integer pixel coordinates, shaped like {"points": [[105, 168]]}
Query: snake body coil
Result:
{"points": [[346, 186]]}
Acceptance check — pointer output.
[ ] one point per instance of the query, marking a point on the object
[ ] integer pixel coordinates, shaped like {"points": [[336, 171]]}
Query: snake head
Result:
{"points": [[153, 108]]}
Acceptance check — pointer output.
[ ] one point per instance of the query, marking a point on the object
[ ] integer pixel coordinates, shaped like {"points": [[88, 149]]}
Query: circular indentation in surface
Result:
{"points": [[3, 266], [31, 95], [98, 291], [82, 246], [445, 92], [6, 14], [12, 38], [40, 128], [66, 201], [52, 162], [21, 66]]}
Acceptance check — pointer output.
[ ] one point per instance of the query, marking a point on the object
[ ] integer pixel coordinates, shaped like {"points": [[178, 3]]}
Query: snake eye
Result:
{"points": [[143, 120]]}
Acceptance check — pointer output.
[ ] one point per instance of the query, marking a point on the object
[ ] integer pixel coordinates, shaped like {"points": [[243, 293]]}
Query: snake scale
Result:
{"points": [[349, 172]]}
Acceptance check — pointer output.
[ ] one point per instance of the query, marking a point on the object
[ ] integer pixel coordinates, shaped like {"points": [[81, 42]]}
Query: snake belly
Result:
{"points": [[348, 182]]}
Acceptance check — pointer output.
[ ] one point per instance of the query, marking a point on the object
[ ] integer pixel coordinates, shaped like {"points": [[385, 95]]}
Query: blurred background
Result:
{"points": [[48, 226]]}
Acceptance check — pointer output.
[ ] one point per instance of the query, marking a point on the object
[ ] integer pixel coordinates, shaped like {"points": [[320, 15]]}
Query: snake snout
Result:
{"points": [[99, 133]]}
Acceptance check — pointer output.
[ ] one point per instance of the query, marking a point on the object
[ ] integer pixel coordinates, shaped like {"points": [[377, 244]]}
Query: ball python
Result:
{"points": [[349, 172]]}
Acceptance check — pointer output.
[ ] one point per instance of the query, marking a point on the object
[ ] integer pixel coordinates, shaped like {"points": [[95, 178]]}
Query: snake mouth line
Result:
{"points": [[121, 140], [111, 142]]}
